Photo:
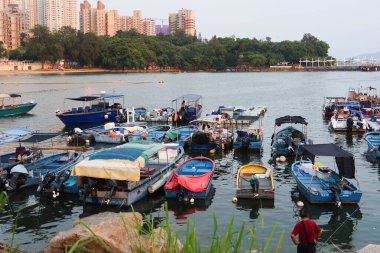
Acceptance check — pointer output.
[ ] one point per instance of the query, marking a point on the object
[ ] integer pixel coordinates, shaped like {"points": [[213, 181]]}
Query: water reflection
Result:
{"points": [[183, 209], [254, 206]]}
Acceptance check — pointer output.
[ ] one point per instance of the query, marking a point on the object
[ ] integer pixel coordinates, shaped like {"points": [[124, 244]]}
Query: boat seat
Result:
{"points": [[80, 109], [74, 109]]}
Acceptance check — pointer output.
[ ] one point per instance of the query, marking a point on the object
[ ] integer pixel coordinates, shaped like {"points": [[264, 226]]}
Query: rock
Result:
{"points": [[370, 248], [117, 236]]}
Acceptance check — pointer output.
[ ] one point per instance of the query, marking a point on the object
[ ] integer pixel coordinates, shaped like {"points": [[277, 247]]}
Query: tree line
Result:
{"points": [[131, 50]]}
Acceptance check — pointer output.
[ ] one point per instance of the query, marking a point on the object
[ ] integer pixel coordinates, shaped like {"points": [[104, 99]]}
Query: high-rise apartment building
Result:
{"points": [[112, 22], [53, 14], [85, 17], [70, 13], [148, 27], [183, 20]]}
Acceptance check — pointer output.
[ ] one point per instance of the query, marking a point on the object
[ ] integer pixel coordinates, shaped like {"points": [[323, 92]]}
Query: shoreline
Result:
{"points": [[174, 71]]}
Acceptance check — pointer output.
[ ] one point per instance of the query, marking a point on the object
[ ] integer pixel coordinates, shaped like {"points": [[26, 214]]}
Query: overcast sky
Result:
{"points": [[350, 27]]}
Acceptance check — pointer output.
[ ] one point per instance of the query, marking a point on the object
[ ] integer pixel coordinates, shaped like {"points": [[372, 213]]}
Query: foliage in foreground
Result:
{"points": [[166, 239], [11, 248]]}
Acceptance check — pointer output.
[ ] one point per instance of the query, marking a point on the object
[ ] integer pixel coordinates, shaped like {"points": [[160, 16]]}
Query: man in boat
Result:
{"points": [[308, 233], [254, 181]]}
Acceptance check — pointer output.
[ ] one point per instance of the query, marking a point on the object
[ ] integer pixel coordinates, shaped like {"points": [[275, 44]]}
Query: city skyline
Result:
{"points": [[350, 28]]}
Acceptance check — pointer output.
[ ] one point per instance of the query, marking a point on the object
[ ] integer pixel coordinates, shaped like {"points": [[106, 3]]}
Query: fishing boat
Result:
{"points": [[14, 134], [191, 179], [321, 183], [187, 108], [215, 133], [250, 139], [181, 135], [96, 109], [123, 175], [254, 181], [31, 174], [373, 141], [8, 106], [160, 115], [113, 134], [329, 106], [22, 154], [348, 118], [287, 139]]}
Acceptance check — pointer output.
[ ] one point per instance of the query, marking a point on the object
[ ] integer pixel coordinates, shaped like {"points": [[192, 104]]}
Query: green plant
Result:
{"points": [[11, 248]]}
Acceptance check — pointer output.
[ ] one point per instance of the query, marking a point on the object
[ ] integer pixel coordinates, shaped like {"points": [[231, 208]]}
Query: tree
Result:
{"points": [[3, 51], [256, 59], [68, 40], [40, 44]]}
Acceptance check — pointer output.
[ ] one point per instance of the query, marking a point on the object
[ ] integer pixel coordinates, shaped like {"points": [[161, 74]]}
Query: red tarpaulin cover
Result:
{"points": [[191, 183]]}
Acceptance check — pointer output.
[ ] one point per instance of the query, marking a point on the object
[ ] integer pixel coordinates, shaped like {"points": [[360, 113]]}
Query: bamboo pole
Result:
{"points": [[83, 149]]}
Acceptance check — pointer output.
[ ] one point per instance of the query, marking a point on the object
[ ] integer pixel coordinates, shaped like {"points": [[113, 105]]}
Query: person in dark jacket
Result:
{"points": [[308, 233]]}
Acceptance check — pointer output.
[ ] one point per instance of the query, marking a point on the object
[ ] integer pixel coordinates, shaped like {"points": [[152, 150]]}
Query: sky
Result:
{"points": [[350, 27]]}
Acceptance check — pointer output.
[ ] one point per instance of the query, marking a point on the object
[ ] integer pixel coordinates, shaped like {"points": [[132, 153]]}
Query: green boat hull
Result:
{"points": [[16, 109]]}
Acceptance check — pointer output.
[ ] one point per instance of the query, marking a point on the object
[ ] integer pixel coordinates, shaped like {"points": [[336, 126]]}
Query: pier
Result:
{"points": [[332, 64]]}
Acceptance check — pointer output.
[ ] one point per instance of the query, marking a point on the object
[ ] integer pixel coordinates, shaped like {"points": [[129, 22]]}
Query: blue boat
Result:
{"points": [[320, 183], [154, 133], [95, 109], [188, 108], [125, 174], [12, 108], [181, 135], [287, 140], [13, 134], [191, 179], [250, 139], [22, 154], [373, 141], [32, 174]]}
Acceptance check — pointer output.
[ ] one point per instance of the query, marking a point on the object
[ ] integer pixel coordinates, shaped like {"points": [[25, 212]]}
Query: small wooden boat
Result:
{"points": [[154, 133], [8, 108], [191, 179], [373, 141], [324, 184], [254, 181], [97, 109], [125, 174], [287, 139]]}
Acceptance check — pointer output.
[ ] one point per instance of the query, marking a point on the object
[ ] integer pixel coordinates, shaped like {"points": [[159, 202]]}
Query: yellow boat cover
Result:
{"points": [[117, 169]]}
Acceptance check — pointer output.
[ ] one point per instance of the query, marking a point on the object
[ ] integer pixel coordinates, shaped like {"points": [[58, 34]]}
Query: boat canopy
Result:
{"points": [[109, 96], [14, 95], [335, 98], [290, 119], [39, 137], [188, 97], [13, 134], [344, 160], [84, 98], [120, 163], [349, 104]]}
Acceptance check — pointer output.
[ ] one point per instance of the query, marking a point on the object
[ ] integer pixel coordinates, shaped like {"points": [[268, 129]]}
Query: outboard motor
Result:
{"points": [[63, 177], [350, 124], [48, 178], [89, 188], [245, 143], [112, 184], [337, 191], [15, 180]]}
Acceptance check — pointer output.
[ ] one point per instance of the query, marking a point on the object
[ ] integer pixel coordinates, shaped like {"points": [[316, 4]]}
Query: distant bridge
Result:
{"points": [[349, 64]]}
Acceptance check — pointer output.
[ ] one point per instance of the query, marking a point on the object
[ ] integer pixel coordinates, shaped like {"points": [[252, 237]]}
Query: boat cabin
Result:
{"points": [[188, 108]]}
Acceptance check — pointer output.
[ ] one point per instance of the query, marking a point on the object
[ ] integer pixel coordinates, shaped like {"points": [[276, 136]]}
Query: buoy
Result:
{"points": [[234, 200], [300, 204], [192, 201], [106, 116], [212, 151], [282, 158], [277, 159], [87, 142], [185, 199]]}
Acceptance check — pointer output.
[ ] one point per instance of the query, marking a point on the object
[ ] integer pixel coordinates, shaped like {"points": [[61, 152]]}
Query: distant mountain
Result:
{"points": [[375, 55]]}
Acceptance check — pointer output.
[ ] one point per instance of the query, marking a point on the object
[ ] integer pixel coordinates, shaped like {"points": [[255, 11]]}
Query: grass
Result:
{"points": [[151, 240], [11, 248]]}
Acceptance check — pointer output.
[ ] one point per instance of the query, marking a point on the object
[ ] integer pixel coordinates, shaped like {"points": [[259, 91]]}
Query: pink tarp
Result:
{"points": [[191, 183]]}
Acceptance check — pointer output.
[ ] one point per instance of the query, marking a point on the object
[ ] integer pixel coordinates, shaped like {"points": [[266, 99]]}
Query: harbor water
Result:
{"points": [[293, 93]]}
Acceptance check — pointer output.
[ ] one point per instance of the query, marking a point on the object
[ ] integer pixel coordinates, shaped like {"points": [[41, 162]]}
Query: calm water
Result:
{"points": [[283, 93]]}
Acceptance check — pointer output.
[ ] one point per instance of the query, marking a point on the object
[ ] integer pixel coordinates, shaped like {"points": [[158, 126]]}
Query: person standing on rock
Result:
{"points": [[308, 233]]}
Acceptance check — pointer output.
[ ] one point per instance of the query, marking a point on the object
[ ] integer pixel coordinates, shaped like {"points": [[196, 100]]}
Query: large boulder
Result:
{"points": [[118, 232], [370, 248]]}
